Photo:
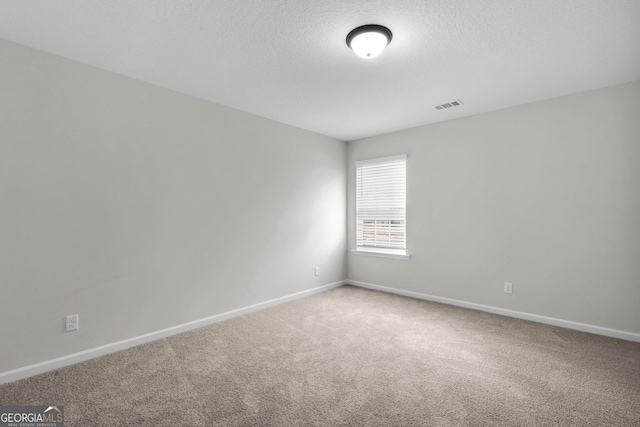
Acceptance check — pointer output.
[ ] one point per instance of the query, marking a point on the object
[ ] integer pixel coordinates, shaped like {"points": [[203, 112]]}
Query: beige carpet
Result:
{"points": [[354, 357]]}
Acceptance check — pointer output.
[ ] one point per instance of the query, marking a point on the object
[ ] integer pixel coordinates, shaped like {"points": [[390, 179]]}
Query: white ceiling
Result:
{"points": [[287, 59]]}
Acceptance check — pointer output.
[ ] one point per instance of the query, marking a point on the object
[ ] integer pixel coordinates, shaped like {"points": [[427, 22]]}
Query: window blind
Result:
{"points": [[381, 202]]}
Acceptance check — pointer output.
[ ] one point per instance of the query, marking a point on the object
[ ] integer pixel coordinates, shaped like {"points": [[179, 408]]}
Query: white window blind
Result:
{"points": [[381, 202]]}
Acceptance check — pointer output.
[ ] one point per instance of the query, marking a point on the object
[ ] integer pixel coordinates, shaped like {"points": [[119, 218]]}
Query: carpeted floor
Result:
{"points": [[353, 357]]}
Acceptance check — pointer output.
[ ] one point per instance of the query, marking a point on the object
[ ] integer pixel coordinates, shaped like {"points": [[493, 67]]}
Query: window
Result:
{"points": [[381, 207]]}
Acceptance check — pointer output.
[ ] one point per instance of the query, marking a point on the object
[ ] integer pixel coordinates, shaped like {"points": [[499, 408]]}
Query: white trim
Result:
{"points": [[38, 368], [615, 333], [382, 253], [381, 160]]}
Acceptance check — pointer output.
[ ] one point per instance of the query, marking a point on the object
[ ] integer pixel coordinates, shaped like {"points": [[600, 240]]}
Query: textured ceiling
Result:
{"points": [[287, 59]]}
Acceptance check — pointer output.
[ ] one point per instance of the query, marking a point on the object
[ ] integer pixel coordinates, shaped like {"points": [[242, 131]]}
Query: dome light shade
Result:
{"points": [[369, 41]]}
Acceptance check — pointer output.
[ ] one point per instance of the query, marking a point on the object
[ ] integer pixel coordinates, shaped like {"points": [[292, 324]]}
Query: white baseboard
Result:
{"points": [[629, 336], [38, 368], [81, 356]]}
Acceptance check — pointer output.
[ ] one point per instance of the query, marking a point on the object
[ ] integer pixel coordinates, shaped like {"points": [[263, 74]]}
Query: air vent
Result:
{"points": [[451, 104]]}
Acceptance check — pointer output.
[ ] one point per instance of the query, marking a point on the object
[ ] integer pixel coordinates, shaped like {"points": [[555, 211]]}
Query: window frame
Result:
{"points": [[395, 253]]}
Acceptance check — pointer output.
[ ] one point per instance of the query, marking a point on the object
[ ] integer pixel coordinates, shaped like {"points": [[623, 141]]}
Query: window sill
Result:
{"points": [[382, 253]]}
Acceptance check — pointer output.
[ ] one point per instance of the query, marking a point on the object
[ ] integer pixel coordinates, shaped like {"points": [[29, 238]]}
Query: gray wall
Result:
{"points": [[544, 195], [140, 208]]}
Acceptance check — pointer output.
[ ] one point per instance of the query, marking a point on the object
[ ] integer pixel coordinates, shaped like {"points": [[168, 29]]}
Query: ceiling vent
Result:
{"points": [[451, 104]]}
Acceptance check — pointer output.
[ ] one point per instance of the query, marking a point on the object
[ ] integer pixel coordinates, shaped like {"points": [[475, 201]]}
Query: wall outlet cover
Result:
{"points": [[72, 322]]}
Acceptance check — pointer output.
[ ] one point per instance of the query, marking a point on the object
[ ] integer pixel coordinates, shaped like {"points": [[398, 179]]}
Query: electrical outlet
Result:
{"points": [[72, 322], [317, 271], [508, 288]]}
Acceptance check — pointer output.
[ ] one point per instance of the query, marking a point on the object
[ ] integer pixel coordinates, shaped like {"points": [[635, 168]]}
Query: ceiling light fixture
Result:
{"points": [[369, 41]]}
